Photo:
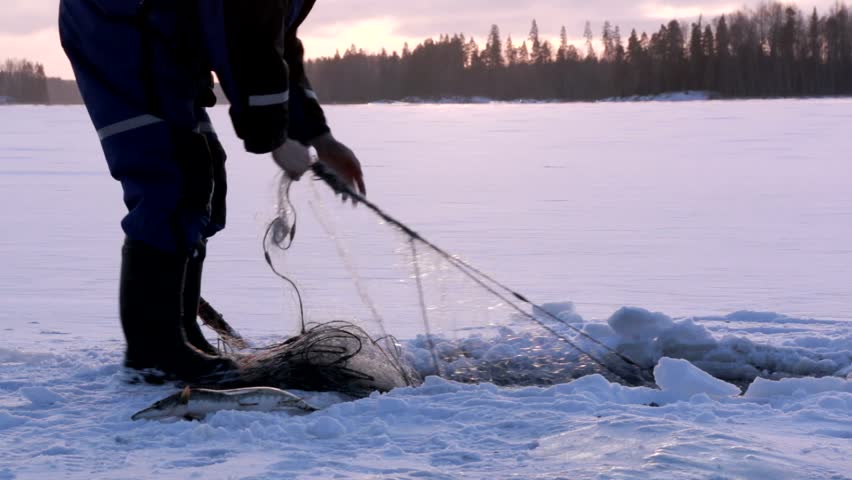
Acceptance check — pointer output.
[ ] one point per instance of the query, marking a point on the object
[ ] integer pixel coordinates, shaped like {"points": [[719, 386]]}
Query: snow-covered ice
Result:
{"points": [[680, 377], [681, 96], [685, 212], [590, 428]]}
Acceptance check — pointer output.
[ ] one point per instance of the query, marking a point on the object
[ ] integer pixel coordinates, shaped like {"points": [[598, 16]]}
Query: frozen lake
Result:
{"points": [[698, 208], [695, 209]]}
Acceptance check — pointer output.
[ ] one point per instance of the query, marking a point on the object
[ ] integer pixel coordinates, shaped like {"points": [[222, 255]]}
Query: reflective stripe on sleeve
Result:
{"points": [[127, 125], [311, 94], [268, 100]]}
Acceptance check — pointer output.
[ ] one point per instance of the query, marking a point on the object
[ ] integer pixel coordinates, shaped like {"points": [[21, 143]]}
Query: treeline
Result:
{"points": [[22, 81], [774, 50]]}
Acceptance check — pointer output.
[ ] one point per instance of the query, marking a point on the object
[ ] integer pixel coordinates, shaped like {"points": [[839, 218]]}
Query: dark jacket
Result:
{"points": [[154, 58]]}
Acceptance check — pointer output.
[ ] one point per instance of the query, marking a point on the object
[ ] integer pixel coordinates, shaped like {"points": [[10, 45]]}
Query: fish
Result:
{"points": [[197, 403]]}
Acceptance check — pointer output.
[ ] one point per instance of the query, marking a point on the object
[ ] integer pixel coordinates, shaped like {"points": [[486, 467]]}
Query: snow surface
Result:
{"points": [[684, 96], [437, 101], [590, 428], [694, 210], [682, 378]]}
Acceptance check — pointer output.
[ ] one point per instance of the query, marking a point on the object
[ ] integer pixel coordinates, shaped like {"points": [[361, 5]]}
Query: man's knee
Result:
{"points": [[155, 215], [168, 188]]}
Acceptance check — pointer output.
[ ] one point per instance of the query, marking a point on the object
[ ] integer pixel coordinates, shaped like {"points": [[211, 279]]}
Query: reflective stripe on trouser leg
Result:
{"points": [[127, 125], [269, 100]]}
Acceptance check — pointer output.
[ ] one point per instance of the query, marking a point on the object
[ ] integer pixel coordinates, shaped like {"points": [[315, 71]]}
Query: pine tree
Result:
{"points": [[523, 54], [675, 56], [562, 53], [708, 44], [619, 47], [814, 53], [723, 55], [697, 59], [634, 48], [535, 42], [814, 44], [511, 52], [39, 80], [545, 53], [572, 54], [493, 55], [788, 51], [608, 43], [590, 48], [474, 60], [844, 68], [635, 57]]}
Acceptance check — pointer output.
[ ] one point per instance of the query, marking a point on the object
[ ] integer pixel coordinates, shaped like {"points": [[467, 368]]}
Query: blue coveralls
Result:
{"points": [[143, 69]]}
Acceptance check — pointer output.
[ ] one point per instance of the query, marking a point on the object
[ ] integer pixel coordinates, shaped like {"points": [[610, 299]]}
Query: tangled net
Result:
{"points": [[337, 356]]}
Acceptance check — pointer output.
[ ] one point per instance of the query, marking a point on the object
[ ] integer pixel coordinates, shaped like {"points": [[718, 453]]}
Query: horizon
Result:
{"points": [[29, 31]]}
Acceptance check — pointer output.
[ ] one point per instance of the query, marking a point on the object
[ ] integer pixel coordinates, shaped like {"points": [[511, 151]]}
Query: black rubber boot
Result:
{"points": [[191, 297], [151, 308]]}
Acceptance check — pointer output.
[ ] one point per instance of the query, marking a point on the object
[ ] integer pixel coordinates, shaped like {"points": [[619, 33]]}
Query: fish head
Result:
{"points": [[174, 406]]}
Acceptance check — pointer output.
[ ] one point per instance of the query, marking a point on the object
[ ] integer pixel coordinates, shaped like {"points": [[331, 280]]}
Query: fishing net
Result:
{"points": [[367, 290], [336, 356]]}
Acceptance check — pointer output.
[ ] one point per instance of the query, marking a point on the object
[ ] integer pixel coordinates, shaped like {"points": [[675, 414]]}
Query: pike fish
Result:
{"points": [[196, 403]]}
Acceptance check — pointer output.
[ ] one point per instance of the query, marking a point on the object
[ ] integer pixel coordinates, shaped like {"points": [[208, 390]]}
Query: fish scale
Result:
{"points": [[196, 403]]}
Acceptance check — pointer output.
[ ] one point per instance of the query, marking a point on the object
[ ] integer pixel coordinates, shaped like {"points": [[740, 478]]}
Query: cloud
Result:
{"points": [[369, 34], [22, 17], [668, 11]]}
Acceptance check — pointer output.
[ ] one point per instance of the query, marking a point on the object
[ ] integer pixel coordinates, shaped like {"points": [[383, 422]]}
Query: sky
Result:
{"points": [[28, 27]]}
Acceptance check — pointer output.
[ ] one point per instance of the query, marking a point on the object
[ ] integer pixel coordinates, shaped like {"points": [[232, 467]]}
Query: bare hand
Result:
{"points": [[340, 159]]}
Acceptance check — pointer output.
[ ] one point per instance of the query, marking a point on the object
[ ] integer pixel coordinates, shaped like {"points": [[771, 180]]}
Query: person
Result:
{"points": [[144, 71]]}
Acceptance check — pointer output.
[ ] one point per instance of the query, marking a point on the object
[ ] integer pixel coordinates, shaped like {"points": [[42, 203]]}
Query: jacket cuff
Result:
{"points": [[262, 129], [316, 133]]}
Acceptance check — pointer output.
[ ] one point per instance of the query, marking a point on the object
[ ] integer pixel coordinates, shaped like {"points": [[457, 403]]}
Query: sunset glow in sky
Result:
{"points": [[28, 27]]}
